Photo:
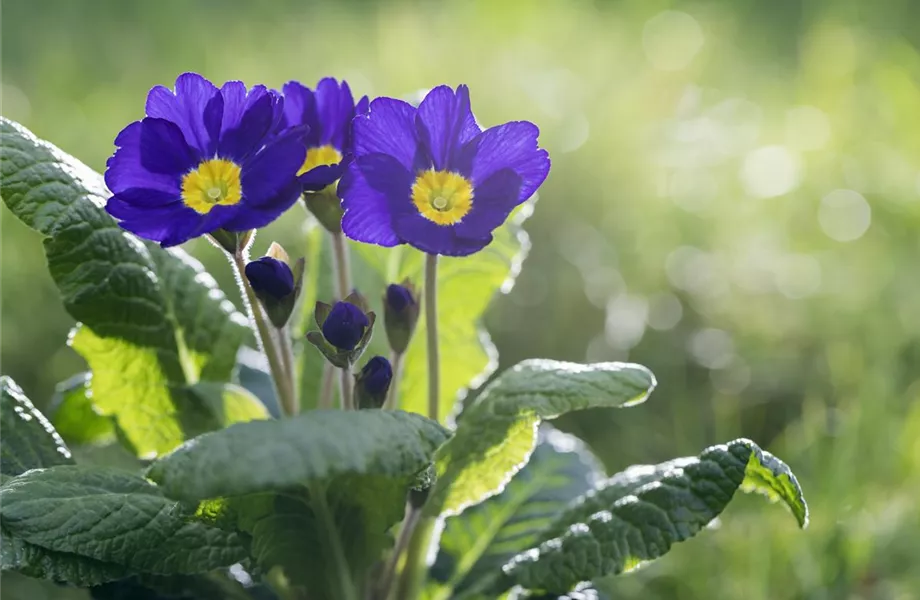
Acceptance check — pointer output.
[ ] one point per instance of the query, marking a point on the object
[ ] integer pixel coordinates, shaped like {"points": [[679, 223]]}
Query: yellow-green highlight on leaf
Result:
{"points": [[75, 418], [639, 514], [497, 433], [152, 321], [229, 403]]}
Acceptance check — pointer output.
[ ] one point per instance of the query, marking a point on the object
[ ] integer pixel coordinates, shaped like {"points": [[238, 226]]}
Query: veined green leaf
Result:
{"points": [[29, 440], [476, 543], [152, 320], [343, 484], [112, 516], [639, 514], [496, 434]]}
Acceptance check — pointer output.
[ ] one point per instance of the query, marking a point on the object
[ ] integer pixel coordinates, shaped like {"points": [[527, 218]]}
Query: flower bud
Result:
{"points": [[345, 329], [275, 284], [400, 314], [231, 241], [373, 383]]}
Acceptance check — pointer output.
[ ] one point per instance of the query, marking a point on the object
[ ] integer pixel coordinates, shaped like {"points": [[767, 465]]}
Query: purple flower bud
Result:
{"points": [[398, 297], [373, 383], [271, 277], [345, 326], [400, 314]]}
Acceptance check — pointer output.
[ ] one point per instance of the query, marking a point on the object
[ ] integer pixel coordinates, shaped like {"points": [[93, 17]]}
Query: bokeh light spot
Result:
{"points": [[769, 171], [844, 215], [671, 39]]}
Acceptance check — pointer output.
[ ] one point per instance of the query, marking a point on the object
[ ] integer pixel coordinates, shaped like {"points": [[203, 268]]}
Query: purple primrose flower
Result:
{"points": [[204, 158], [431, 178]]}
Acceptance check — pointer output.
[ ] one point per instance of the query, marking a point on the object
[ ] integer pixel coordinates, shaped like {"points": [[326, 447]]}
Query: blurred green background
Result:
{"points": [[734, 202]]}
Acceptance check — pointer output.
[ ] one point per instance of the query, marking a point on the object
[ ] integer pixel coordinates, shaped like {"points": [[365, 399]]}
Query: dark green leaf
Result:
{"points": [[113, 516], [496, 434], [62, 567], [476, 543], [73, 414], [29, 440], [152, 320], [647, 509]]}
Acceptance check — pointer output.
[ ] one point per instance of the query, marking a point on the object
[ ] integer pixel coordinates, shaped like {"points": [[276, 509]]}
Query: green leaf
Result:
{"points": [[466, 286], [637, 515], [115, 517], [73, 414], [496, 434], [152, 320], [316, 446], [476, 543], [62, 567], [227, 403], [29, 440], [343, 472]]}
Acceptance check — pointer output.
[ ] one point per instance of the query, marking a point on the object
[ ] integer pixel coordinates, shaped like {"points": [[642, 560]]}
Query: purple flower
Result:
{"points": [[398, 297], [328, 112], [430, 178], [345, 325], [204, 158], [270, 276]]}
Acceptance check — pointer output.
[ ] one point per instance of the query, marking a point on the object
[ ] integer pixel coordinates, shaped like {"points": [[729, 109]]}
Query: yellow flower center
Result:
{"points": [[320, 156], [215, 181], [442, 196]]}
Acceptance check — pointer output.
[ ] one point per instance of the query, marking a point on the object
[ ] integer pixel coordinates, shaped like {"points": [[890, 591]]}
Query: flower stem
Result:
{"points": [[345, 383], [393, 394], [333, 544], [284, 385], [410, 520], [431, 325], [410, 578], [287, 361], [325, 398], [340, 265]]}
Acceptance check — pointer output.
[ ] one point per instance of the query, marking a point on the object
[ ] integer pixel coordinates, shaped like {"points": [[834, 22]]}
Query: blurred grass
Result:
{"points": [[688, 224]]}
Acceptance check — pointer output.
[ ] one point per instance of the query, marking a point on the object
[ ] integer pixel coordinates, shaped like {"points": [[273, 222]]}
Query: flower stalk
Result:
{"points": [[269, 343], [431, 325]]}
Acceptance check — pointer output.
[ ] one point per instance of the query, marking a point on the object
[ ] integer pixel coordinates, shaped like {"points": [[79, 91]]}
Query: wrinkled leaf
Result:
{"points": [[29, 440], [152, 320], [639, 514], [344, 471], [476, 543], [496, 434], [113, 516]]}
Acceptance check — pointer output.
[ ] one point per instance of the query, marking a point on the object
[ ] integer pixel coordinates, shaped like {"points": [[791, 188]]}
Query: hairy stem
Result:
{"points": [[283, 380], [287, 360], [392, 400], [431, 324]]}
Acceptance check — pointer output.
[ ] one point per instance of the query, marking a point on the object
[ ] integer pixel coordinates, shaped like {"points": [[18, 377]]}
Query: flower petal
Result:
{"points": [[322, 176], [509, 146], [124, 169], [254, 123], [445, 123], [386, 175], [427, 236], [163, 148], [248, 217], [367, 215], [493, 201], [388, 128], [144, 198], [196, 107], [336, 108], [273, 169]]}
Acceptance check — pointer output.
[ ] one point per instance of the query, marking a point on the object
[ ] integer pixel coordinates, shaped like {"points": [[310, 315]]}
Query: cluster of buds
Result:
{"points": [[275, 284]]}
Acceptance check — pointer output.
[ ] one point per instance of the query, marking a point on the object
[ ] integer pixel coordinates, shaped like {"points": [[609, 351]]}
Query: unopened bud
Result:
{"points": [[373, 383], [345, 330], [400, 314], [275, 284]]}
